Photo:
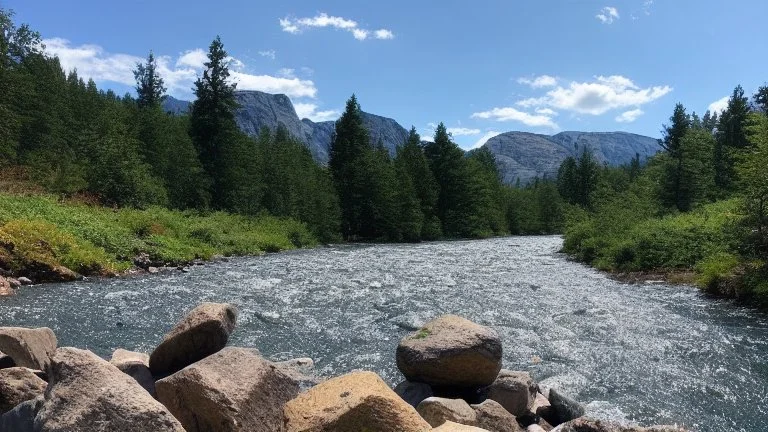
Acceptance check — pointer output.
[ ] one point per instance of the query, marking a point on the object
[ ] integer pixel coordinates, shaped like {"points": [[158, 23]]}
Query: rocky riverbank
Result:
{"points": [[193, 381]]}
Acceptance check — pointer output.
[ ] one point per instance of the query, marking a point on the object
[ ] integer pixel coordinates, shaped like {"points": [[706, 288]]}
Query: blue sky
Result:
{"points": [[481, 67]]}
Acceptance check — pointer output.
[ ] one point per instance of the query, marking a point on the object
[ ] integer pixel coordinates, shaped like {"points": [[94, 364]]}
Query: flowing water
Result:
{"points": [[640, 353]]}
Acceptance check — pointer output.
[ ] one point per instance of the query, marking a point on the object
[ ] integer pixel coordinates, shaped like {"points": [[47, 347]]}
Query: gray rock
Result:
{"points": [[564, 407], [301, 371], [25, 281], [515, 391], [22, 417], [135, 365], [30, 348], [413, 392], [17, 385], [592, 425], [204, 331], [6, 361], [437, 411]]}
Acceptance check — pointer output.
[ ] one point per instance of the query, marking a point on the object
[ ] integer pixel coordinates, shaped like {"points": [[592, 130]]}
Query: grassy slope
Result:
{"points": [[97, 240]]}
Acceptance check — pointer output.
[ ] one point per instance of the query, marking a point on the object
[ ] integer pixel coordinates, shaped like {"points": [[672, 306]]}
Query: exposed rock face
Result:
{"points": [[234, 389], [526, 155], [18, 384], [135, 365], [30, 348], [22, 417], [564, 408], [451, 351], [590, 425], [204, 331], [437, 411], [88, 394], [450, 426], [515, 391], [493, 417], [351, 403], [413, 392]]}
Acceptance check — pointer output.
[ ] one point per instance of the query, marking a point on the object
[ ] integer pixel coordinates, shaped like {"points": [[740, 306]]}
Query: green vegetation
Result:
{"points": [[699, 205], [94, 240]]}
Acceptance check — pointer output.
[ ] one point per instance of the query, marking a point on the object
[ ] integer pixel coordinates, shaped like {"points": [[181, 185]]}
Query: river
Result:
{"points": [[648, 353]]}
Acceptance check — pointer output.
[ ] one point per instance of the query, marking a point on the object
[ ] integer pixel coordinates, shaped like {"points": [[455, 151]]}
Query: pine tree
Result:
{"points": [[212, 124], [149, 85], [761, 99], [731, 139], [672, 190], [411, 162]]}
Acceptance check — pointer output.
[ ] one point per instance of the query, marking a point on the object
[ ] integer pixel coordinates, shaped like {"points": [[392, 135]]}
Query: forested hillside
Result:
{"points": [[700, 205]]}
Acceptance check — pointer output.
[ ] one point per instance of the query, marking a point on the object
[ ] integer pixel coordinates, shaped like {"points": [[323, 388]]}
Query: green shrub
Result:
{"points": [[715, 268]]}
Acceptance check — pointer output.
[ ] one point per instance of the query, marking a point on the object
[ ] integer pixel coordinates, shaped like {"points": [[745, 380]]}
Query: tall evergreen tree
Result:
{"points": [[680, 124], [761, 99], [731, 139], [149, 85], [411, 162]]}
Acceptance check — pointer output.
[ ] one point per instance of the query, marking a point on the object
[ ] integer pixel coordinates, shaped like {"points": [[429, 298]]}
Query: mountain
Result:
{"points": [[525, 156], [258, 109]]}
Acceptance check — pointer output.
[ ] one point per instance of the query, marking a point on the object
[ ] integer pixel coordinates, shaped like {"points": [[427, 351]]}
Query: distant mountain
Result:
{"points": [[519, 155], [525, 156], [258, 109]]}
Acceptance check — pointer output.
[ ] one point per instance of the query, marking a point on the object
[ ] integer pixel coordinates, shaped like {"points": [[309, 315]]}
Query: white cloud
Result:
{"points": [[512, 114], [286, 72], [297, 25], [539, 81], [92, 61], [272, 54], [546, 111], [719, 105], [598, 96], [384, 34], [461, 131], [309, 110], [629, 116], [195, 58], [484, 139], [608, 15]]}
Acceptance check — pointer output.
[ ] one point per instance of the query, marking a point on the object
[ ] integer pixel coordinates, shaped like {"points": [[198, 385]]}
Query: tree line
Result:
{"points": [[60, 132]]}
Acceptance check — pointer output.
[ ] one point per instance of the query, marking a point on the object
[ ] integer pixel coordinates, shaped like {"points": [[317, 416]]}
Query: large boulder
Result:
{"points": [[436, 411], [5, 288], [493, 417], [234, 389], [515, 391], [351, 403], [30, 348], [564, 407], [450, 426], [135, 365], [451, 351], [22, 417], [301, 370], [204, 331], [88, 394], [591, 425], [17, 385], [413, 392]]}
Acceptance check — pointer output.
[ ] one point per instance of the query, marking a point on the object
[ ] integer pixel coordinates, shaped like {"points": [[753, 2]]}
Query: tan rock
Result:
{"points": [[351, 403], [451, 351], [515, 391], [5, 288], [135, 365], [541, 406], [492, 416], [535, 428], [436, 411], [234, 389], [204, 331], [30, 348], [18, 384], [450, 426], [88, 394], [301, 371]]}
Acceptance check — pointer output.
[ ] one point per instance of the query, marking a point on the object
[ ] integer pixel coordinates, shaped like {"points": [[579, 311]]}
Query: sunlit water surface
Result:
{"points": [[644, 353]]}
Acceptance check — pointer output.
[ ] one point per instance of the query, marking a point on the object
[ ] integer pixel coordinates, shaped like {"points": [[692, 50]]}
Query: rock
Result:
{"points": [[234, 389], [592, 425], [142, 260], [493, 417], [437, 411], [17, 385], [60, 274], [301, 371], [565, 408], [451, 351], [6, 361], [204, 331], [413, 392], [22, 417], [535, 428], [450, 426], [515, 391], [25, 281], [88, 394], [542, 408], [5, 288], [30, 348], [135, 365], [14, 283], [351, 403], [153, 270]]}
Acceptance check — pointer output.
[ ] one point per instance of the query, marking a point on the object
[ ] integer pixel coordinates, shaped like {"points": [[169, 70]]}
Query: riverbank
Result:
{"points": [[46, 239]]}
